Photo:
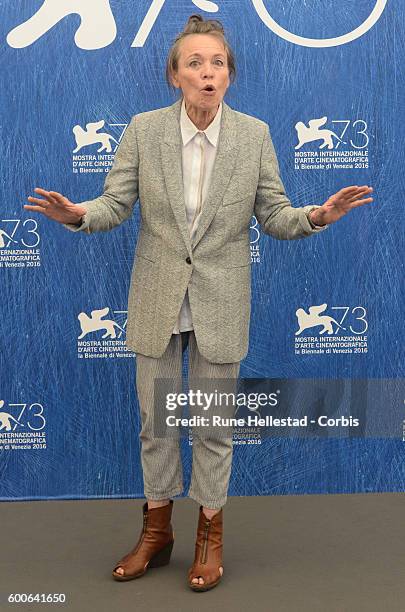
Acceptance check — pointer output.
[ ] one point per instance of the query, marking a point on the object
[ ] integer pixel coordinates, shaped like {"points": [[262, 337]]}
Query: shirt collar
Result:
{"points": [[189, 130]]}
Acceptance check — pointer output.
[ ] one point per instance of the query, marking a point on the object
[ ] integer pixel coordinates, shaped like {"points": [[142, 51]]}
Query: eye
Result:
{"points": [[193, 63], [221, 63]]}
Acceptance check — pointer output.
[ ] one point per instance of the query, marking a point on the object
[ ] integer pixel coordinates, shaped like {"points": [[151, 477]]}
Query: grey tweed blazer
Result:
{"points": [[216, 266]]}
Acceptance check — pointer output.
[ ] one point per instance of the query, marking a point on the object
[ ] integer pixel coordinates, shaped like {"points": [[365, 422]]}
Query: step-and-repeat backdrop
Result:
{"points": [[327, 311]]}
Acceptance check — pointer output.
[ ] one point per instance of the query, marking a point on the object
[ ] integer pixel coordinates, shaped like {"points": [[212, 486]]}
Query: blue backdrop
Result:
{"points": [[327, 78]]}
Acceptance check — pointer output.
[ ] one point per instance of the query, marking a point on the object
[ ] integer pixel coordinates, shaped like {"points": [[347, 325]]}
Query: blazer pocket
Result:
{"points": [[147, 246], [230, 201], [237, 254], [238, 264]]}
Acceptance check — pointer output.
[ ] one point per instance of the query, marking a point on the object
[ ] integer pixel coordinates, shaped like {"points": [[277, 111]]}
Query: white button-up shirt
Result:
{"points": [[191, 161]]}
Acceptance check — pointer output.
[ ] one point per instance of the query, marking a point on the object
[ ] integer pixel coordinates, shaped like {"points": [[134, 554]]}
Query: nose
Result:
{"points": [[207, 71]]}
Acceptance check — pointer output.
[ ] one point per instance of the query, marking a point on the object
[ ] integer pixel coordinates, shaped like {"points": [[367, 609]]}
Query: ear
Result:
{"points": [[174, 79]]}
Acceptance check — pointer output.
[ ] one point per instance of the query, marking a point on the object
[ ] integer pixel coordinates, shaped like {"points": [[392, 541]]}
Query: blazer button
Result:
{"points": [[188, 260]]}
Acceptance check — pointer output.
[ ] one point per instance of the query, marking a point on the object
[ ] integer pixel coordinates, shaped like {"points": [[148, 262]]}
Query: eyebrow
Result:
{"points": [[199, 55]]}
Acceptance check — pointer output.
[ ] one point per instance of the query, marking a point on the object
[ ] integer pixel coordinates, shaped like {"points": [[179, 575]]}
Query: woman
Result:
{"points": [[200, 170]]}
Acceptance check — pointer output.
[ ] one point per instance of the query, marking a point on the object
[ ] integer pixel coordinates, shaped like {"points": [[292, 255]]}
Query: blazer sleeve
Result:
{"points": [[273, 209], [120, 192]]}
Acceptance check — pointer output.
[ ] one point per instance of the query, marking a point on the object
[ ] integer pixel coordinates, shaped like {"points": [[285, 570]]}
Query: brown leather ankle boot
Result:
{"points": [[208, 552], [154, 545]]}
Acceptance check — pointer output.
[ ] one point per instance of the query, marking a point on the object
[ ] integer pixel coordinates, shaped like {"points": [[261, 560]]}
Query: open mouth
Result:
{"points": [[209, 88]]}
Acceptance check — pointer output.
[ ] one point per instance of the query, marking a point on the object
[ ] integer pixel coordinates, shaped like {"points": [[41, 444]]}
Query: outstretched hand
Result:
{"points": [[340, 203], [56, 207]]}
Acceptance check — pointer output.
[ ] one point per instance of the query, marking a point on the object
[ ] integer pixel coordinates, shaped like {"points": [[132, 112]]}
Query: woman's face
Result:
{"points": [[202, 62]]}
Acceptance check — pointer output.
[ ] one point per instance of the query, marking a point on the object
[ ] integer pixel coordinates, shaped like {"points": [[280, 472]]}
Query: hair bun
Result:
{"points": [[195, 18]]}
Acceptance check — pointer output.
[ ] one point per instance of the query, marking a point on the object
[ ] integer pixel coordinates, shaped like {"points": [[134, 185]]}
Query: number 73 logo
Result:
{"points": [[29, 226], [98, 28]]}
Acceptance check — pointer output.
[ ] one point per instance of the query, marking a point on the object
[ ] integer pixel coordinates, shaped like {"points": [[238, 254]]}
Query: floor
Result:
{"points": [[326, 553]]}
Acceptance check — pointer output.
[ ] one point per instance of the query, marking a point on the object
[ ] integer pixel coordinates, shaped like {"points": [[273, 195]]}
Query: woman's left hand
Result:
{"points": [[340, 203]]}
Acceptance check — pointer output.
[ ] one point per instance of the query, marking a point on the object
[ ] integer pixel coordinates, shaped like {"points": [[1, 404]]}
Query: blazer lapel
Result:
{"points": [[222, 171], [171, 151]]}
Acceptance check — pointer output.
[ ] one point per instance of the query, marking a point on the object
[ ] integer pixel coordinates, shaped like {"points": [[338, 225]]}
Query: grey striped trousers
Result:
{"points": [[161, 456]]}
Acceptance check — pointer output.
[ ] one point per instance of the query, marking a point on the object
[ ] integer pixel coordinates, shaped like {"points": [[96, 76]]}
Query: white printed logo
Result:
{"points": [[352, 326], [326, 152], [254, 240], [103, 158], [3, 243], [110, 334], [91, 136], [98, 28], [95, 322], [27, 416], [6, 418], [320, 42], [25, 235], [313, 133], [314, 319]]}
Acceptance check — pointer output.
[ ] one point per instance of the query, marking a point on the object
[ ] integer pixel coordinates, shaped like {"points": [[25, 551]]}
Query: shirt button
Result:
{"points": [[188, 260]]}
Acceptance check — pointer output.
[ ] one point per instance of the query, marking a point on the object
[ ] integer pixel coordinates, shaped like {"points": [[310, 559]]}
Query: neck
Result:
{"points": [[201, 118]]}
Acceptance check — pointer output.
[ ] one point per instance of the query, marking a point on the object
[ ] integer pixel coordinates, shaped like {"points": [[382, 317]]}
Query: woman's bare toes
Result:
{"points": [[200, 580]]}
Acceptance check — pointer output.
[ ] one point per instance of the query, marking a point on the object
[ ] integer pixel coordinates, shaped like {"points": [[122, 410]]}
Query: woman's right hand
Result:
{"points": [[56, 207]]}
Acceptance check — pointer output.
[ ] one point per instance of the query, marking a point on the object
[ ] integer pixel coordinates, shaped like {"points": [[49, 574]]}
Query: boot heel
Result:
{"points": [[162, 557]]}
